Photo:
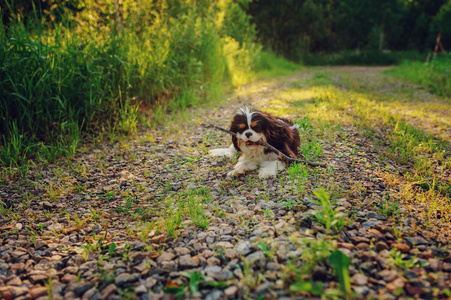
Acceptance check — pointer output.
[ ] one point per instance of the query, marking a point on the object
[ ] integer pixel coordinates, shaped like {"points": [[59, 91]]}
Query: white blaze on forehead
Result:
{"points": [[248, 113]]}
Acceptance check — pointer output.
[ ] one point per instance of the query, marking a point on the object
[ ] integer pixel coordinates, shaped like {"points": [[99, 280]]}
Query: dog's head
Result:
{"points": [[252, 126]]}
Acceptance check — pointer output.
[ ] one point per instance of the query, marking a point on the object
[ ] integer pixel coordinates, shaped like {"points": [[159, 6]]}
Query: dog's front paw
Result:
{"points": [[221, 152], [233, 173], [267, 173]]}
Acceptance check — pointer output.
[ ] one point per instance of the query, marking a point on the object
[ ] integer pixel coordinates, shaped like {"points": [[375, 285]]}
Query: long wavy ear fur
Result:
{"points": [[235, 143]]}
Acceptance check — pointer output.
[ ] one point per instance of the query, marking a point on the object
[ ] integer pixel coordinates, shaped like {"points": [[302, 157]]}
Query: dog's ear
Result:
{"points": [[235, 143]]}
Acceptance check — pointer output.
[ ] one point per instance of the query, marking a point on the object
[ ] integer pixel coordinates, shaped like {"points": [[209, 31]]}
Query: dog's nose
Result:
{"points": [[248, 134]]}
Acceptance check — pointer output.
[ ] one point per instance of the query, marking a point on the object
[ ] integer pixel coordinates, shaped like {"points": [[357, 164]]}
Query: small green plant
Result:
{"points": [[389, 209], [340, 263], [316, 288], [269, 253], [196, 212], [48, 286], [311, 150], [331, 218], [399, 260], [192, 286]]}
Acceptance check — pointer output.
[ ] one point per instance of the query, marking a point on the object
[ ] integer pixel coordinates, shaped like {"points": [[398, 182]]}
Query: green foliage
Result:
{"points": [[441, 24], [296, 29], [316, 288], [435, 75], [327, 215], [340, 263], [88, 66], [192, 286]]}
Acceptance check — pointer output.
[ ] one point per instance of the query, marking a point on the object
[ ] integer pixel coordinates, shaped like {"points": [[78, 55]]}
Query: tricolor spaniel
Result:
{"points": [[251, 126]]}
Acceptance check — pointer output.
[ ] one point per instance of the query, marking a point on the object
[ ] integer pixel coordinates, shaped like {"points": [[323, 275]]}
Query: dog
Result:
{"points": [[251, 126]]}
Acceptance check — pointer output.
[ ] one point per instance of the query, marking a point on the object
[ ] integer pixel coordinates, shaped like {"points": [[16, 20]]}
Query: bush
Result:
{"points": [[92, 69]]}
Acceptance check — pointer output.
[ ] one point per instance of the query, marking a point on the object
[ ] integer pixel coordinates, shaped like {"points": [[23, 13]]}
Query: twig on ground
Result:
{"points": [[282, 156]]}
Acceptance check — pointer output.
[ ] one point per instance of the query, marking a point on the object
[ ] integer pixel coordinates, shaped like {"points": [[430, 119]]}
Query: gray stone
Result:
{"points": [[375, 215], [370, 224], [272, 266], [186, 261], [165, 256], [91, 294], [359, 279], [124, 278], [215, 295], [150, 282], [244, 248], [212, 269], [257, 259]]}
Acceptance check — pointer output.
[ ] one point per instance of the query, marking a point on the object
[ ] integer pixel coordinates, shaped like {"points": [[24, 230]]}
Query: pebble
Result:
{"points": [[230, 291], [215, 295], [165, 256], [244, 248], [359, 279], [124, 278], [435, 264], [388, 275], [107, 291], [37, 292], [186, 261], [381, 246], [370, 224], [402, 247], [257, 259]]}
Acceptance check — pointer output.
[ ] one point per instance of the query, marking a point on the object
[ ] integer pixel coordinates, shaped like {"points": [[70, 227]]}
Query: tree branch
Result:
{"points": [[282, 156]]}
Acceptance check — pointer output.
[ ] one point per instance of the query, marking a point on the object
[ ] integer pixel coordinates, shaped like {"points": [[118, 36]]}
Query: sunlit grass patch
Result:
{"points": [[396, 124], [435, 75]]}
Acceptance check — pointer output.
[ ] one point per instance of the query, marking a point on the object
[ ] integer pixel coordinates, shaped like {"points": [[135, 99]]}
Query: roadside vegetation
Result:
{"points": [[434, 75], [73, 76]]}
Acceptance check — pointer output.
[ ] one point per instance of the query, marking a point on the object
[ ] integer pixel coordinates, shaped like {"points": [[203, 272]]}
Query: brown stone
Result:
{"points": [[381, 246], [359, 279], [374, 231], [388, 275], [435, 264], [402, 247], [107, 291], [68, 278], [395, 284], [348, 246], [39, 278], [6, 294], [17, 253], [362, 246], [158, 239], [414, 290], [165, 256], [359, 239], [37, 292], [428, 253]]}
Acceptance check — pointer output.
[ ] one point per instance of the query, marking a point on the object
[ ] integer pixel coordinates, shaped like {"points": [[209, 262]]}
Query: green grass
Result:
{"points": [[269, 65], [404, 127], [435, 75], [363, 58], [67, 82]]}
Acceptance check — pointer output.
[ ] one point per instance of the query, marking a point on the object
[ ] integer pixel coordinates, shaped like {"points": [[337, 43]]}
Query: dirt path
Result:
{"points": [[155, 215]]}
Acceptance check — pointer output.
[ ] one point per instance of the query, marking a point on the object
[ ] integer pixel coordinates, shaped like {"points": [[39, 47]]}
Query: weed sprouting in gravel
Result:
{"points": [[331, 218]]}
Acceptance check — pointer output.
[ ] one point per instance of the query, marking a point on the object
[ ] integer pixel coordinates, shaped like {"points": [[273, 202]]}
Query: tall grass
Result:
{"points": [[435, 75], [62, 80]]}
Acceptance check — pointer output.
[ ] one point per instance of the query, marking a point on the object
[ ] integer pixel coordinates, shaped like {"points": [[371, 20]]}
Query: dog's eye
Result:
{"points": [[253, 124], [242, 126]]}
